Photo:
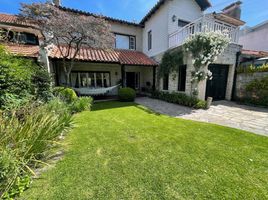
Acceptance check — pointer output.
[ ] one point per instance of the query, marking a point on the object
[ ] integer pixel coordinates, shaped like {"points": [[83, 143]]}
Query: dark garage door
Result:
{"points": [[216, 87]]}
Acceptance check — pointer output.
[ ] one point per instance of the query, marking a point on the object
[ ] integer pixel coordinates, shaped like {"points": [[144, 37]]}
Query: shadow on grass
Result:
{"points": [[111, 105], [147, 110], [117, 104]]}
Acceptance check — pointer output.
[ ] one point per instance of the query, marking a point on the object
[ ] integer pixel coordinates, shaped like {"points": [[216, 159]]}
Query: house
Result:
{"points": [[139, 48], [23, 37], [255, 38]]}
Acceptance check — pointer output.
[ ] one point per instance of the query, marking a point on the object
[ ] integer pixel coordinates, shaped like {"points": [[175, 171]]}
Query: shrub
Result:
{"points": [[27, 139], [11, 101], [81, 104], [257, 92], [66, 94], [201, 105], [126, 94], [15, 75], [22, 78], [252, 69], [42, 84], [179, 98]]}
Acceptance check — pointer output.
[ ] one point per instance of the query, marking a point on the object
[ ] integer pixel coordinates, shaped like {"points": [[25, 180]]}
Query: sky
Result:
{"points": [[253, 11]]}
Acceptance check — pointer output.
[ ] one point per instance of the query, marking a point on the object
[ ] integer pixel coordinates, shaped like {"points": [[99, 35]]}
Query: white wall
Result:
{"points": [[187, 10], [256, 39], [158, 24], [161, 23]]}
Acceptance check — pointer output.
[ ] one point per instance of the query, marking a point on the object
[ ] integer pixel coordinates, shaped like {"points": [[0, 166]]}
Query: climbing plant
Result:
{"points": [[171, 62], [204, 49]]}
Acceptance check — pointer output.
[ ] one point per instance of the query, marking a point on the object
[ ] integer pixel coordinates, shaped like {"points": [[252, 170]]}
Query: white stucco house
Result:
{"points": [[139, 48]]}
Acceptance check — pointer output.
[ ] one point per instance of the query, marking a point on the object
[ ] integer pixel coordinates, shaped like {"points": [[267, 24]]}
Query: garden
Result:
{"points": [[117, 149], [121, 150], [34, 116]]}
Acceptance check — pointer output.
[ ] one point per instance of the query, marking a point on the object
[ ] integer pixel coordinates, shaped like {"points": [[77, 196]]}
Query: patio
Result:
{"points": [[224, 113]]}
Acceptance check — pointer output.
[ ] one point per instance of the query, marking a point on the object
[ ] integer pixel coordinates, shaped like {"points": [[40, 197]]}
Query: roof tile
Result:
{"points": [[23, 50], [124, 57]]}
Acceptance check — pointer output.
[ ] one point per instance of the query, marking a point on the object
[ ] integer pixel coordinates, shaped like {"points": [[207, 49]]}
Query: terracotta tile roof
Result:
{"points": [[14, 19], [124, 57], [23, 50], [258, 54]]}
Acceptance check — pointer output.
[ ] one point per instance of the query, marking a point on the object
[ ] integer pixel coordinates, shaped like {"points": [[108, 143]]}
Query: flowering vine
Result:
{"points": [[204, 48]]}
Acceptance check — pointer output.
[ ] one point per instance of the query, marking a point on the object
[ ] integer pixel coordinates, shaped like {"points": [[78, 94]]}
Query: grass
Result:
{"points": [[125, 151]]}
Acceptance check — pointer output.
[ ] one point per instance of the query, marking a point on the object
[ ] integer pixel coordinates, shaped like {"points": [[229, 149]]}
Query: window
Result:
{"points": [[137, 80], [20, 37], [165, 82], [149, 40], [182, 23], [132, 43], [90, 79], [125, 42], [182, 78]]}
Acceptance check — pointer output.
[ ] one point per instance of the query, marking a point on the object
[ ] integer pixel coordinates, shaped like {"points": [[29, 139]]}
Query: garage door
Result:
{"points": [[216, 87]]}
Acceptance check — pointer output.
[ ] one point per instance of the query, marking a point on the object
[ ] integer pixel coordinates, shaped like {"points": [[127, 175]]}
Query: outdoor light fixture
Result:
{"points": [[174, 18]]}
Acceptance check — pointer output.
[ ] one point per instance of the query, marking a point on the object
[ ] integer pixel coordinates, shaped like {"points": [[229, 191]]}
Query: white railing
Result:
{"points": [[207, 23]]}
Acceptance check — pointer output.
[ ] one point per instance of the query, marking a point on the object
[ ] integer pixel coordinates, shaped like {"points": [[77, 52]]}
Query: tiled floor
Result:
{"points": [[221, 112]]}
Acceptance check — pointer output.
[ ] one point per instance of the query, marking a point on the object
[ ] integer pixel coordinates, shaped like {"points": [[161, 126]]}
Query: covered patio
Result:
{"points": [[97, 68]]}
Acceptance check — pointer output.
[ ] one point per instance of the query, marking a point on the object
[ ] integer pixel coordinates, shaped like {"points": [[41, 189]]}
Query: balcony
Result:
{"points": [[207, 23]]}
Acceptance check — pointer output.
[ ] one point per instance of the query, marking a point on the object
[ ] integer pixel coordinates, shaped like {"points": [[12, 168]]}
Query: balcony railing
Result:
{"points": [[207, 23]]}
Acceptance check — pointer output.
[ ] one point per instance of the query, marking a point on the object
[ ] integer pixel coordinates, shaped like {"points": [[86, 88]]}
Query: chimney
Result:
{"points": [[57, 2], [233, 10]]}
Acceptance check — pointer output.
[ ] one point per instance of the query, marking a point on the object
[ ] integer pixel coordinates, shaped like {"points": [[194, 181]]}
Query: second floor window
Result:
{"points": [[182, 23], [19, 37], [150, 40], [125, 41]]}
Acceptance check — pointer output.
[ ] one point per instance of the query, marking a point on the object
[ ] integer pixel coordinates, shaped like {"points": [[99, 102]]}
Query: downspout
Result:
{"points": [[235, 74]]}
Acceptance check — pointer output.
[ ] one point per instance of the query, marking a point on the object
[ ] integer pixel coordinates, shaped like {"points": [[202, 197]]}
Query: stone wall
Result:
{"points": [[245, 78], [228, 57]]}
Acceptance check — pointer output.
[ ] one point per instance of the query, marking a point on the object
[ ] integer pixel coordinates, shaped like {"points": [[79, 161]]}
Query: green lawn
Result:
{"points": [[124, 151]]}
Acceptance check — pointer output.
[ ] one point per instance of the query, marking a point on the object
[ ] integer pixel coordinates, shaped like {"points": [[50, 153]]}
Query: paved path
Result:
{"points": [[221, 112]]}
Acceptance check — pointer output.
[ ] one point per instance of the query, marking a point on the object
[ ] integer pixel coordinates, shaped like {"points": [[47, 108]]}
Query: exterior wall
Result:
{"points": [[146, 74], [161, 23], [187, 10], [243, 79], [129, 30], [256, 39], [158, 24], [228, 57], [114, 69]]}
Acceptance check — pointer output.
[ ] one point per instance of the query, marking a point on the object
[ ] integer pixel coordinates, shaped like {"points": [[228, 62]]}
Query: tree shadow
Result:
{"points": [[118, 104], [147, 110], [111, 105]]}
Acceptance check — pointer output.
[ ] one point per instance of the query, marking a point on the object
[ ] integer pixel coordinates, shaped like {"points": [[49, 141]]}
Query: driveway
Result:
{"points": [[224, 113]]}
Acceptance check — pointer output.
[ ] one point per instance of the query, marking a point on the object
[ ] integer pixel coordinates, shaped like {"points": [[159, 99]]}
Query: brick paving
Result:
{"points": [[224, 113]]}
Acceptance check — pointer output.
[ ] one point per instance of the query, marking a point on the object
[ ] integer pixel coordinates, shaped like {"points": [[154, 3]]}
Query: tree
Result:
{"points": [[69, 30]]}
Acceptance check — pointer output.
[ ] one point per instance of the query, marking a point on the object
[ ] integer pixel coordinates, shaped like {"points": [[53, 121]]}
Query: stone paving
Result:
{"points": [[224, 113]]}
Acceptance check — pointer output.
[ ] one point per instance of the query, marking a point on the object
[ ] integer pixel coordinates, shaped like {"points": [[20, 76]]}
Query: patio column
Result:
{"points": [[123, 77], [154, 74]]}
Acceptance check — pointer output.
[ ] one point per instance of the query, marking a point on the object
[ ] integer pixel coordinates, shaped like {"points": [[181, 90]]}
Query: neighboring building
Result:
{"points": [[23, 38], [251, 57], [139, 48], [255, 38]]}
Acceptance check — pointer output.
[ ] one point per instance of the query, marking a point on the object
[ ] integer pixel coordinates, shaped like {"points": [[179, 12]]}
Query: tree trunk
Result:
{"points": [[68, 72]]}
